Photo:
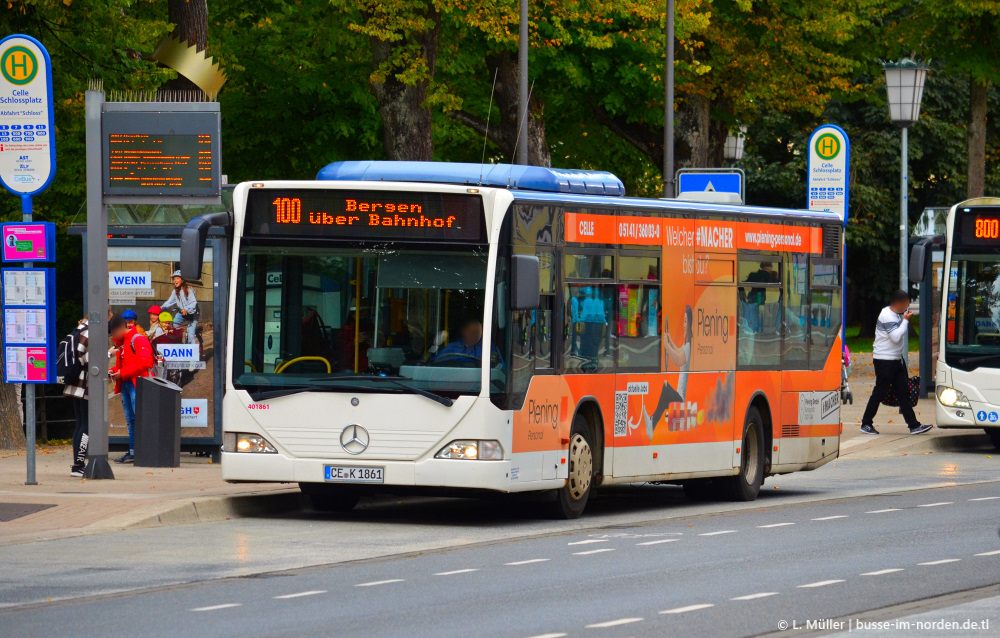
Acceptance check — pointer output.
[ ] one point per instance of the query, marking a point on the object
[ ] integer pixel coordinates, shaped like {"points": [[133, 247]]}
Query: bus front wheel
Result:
{"points": [[572, 498], [746, 485], [330, 498], [994, 436]]}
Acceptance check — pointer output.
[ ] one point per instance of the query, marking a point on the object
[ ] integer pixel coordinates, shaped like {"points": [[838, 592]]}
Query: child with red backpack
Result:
{"points": [[135, 360]]}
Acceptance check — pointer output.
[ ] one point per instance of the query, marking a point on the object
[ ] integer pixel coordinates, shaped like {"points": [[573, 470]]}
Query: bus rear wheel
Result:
{"points": [[994, 436], [572, 498], [331, 498], [746, 485]]}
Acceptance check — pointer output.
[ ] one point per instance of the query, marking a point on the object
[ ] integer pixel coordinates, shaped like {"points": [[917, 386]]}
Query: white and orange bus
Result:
{"points": [[511, 329]]}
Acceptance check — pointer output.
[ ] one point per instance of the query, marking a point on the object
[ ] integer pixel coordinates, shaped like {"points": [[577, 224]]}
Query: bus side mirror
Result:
{"points": [[525, 279], [918, 261], [193, 240]]}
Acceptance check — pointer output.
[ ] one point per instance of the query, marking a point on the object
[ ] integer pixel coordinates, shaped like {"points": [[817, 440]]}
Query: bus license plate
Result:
{"points": [[347, 474]]}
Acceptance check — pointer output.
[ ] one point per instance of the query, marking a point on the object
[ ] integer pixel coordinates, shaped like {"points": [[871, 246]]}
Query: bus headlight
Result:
{"points": [[243, 442], [472, 450], [952, 397]]}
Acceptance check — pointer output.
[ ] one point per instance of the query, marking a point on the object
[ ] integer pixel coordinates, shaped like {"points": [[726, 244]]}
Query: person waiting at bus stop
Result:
{"points": [[889, 356], [134, 360]]}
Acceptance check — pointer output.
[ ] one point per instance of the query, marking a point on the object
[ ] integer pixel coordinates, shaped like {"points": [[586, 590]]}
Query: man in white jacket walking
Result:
{"points": [[889, 354]]}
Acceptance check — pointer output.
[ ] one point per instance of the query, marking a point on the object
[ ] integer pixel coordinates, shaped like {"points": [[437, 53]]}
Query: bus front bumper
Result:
{"points": [[980, 415], [478, 475]]}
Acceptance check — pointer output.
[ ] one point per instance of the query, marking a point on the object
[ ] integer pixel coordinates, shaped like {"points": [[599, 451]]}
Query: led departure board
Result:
{"points": [[978, 228], [380, 215], [161, 153]]}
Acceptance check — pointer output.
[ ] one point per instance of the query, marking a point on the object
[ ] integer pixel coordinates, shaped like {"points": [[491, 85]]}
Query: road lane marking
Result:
{"points": [[822, 583], [936, 504], [662, 540], [549, 636], [589, 541], [614, 623], [993, 553], [888, 509], [594, 551], [941, 562], [725, 531], [301, 594], [684, 610], [763, 594], [883, 571], [457, 571], [985, 498], [774, 525], [215, 607], [529, 561], [381, 582], [830, 518]]}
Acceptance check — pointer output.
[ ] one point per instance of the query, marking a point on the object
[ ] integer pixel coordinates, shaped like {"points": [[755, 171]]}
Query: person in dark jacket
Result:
{"points": [[76, 390]]}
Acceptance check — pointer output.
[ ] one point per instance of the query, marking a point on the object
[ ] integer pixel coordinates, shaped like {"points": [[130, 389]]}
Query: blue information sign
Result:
{"points": [[710, 182]]}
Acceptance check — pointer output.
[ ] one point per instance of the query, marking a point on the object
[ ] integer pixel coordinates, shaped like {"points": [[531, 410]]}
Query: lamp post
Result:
{"points": [[732, 150], [904, 81], [669, 188]]}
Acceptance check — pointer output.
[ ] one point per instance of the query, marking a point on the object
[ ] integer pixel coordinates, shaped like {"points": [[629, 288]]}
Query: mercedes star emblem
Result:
{"points": [[354, 439]]}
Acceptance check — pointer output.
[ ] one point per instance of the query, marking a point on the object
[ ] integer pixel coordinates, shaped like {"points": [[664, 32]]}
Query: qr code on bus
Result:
{"points": [[621, 414]]}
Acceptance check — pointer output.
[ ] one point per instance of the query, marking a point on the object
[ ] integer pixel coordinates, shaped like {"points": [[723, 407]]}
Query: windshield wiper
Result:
{"points": [[984, 357], [396, 381], [295, 389]]}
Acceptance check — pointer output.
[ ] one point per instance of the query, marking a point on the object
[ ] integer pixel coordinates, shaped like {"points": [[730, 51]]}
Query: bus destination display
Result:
{"points": [[365, 214], [978, 228]]}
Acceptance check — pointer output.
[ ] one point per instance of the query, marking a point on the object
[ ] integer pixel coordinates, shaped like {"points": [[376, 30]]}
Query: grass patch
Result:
{"points": [[864, 344]]}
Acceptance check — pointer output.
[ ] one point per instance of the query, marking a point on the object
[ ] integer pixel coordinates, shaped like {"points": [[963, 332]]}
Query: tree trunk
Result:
{"points": [[504, 122], [406, 122], [977, 137], [11, 417], [190, 20], [693, 127]]}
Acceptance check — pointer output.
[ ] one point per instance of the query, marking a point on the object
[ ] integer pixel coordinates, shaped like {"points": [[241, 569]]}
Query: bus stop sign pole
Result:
{"points": [[27, 157]]}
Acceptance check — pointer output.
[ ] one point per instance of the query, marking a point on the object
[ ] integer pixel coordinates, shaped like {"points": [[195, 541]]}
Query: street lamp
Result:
{"points": [[904, 80], [732, 150]]}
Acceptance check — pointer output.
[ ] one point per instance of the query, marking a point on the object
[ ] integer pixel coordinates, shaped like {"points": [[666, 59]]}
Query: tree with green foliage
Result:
{"points": [[965, 34]]}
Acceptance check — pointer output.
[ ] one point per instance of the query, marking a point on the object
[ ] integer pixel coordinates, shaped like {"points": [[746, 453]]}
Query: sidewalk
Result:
{"points": [[61, 505], [894, 438]]}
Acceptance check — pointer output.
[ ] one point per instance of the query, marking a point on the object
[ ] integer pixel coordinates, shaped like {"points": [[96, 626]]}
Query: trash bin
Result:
{"points": [[157, 423]]}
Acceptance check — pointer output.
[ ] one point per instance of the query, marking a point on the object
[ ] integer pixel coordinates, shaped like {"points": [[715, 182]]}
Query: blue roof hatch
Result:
{"points": [[534, 178]]}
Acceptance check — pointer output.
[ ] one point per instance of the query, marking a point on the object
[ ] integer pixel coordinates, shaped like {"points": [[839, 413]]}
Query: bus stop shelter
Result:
{"points": [[144, 246]]}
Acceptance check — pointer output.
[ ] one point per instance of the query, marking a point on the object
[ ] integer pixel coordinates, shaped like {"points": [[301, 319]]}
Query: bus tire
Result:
{"points": [[330, 498], [746, 485], [994, 436], [572, 498]]}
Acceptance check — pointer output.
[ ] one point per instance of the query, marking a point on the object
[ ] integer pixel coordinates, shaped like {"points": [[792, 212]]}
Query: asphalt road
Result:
{"points": [[644, 563]]}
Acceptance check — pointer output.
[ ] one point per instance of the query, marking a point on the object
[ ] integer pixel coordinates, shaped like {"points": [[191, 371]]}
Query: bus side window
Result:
{"points": [[796, 324]]}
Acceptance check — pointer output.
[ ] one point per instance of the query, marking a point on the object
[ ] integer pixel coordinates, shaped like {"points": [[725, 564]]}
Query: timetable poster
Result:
{"points": [[24, 287], [28, 364], [25, 325]]}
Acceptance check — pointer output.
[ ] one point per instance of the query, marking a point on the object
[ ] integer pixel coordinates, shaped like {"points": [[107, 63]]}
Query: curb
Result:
{"points": [[204, 510]]}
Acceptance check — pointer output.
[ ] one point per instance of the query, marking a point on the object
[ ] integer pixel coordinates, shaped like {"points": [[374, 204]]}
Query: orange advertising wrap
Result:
{"points": [[697, 397]]}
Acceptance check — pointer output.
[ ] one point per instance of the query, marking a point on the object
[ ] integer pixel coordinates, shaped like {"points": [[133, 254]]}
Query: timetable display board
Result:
{"points": [[28, 325], [150, 151]]}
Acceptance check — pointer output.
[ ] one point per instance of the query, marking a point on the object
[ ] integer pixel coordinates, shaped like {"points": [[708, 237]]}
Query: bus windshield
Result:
{"points": [[373, 319], [973, 325]]}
